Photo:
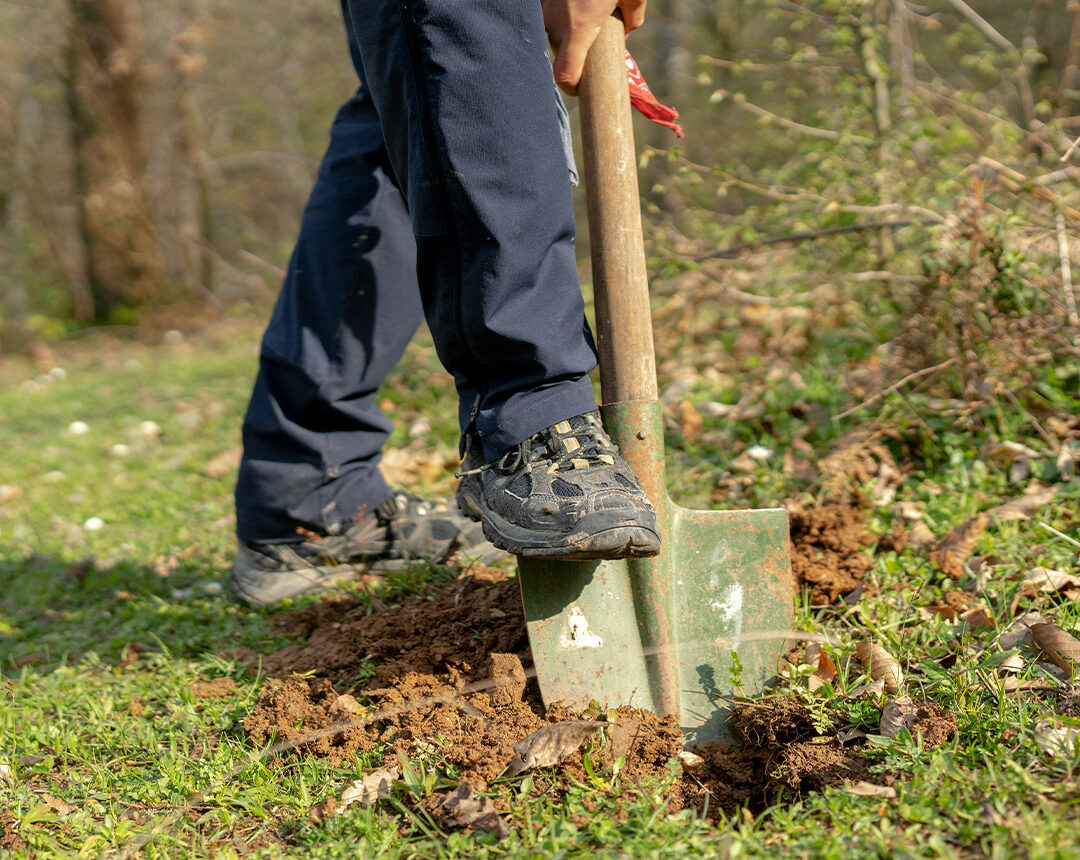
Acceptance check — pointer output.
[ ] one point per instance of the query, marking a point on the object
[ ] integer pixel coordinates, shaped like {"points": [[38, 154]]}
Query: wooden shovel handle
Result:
{"points": [[620, 282]]}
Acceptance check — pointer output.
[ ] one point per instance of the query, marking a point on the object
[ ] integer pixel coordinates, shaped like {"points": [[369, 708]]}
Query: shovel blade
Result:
{"points": [[706, 620]]}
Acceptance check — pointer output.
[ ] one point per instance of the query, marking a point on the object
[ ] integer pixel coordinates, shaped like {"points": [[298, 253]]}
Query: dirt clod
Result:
{"points": [[827, 544]]}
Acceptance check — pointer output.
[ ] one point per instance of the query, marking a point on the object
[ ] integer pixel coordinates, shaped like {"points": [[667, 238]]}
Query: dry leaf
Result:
{"points": [[898, 714], [873, 689], [955, 548], [550, 745], [222, 464], [6, 776], [1019, 631], [861, 788], [824, 668], [691, 421], [881, 665], [1056, 738], [1061, 648], [60, 807], [690, 761], [1012, 664], [1004, 453], [9, 493], [469, 810], [1045, 580], [977, 616], [1023, 507], [920, 535], [371, 787]]}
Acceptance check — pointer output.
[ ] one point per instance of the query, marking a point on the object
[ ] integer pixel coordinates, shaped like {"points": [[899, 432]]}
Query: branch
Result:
{"points": [[911, 377], [1066, 270], [732, 250], [827, 133]]}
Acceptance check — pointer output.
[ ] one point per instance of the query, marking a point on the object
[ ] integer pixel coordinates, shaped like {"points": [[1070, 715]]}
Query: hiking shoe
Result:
{"points": [[563, 493], [404, 529]]}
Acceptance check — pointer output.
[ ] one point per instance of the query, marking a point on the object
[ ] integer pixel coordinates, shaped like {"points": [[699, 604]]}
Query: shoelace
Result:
{"points": [[588, 447]]}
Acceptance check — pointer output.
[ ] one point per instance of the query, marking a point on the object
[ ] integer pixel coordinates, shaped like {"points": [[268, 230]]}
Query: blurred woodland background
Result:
{"points": [[905, 171]]}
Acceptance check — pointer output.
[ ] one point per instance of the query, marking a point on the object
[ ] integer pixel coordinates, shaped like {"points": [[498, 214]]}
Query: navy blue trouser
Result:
{"points": [[443, 194]]}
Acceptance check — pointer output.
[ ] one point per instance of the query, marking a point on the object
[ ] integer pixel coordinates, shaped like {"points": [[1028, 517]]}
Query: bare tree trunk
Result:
{"points": [[104, 83], [188, 62]]}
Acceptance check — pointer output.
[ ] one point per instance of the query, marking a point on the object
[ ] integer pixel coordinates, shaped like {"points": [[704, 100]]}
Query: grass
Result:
{"points": [[114, 749]]}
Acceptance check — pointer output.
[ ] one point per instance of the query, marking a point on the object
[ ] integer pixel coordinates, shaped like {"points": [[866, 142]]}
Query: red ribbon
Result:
{"points": [[642, 98]]}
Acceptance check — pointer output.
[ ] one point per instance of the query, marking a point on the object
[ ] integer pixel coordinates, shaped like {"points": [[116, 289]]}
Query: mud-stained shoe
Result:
{"points": [[563, 493], [404, 529]]}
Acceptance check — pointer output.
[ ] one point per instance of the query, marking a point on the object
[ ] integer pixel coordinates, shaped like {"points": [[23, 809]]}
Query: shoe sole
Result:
{"points": [[600, 535]]}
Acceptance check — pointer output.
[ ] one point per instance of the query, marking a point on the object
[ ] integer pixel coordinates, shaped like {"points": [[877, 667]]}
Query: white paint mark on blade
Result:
{"points": [[731, 609], [578, 634]]}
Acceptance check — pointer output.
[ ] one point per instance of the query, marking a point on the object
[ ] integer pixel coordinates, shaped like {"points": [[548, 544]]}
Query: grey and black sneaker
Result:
{"points": [[405, 528], [563, 493]]}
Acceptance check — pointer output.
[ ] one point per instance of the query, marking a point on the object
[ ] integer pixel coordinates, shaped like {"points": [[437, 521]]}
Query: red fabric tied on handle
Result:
{"points": [[641, 97]]}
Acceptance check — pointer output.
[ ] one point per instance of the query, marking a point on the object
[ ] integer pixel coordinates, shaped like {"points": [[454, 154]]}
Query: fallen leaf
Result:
{"points": [[9, 493], [920, 536], [690, 761], [873, 690], [861, 788], [1061, 648], [550, 745], [222, 464], [977, 616], [371, 787], [955, 548], [1019, 631], [1023, 507], [467, 809], [881, 665], [1004, 453], [60, 807], [1010, 665], [1055, 738], [898, 714], [908, 510], [1045, 580], [6, 776], [691, 421], [824, 668]]}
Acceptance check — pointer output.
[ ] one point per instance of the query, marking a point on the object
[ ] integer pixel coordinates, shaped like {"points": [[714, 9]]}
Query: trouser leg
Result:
{"points": [[469, 115], [348, 307]]}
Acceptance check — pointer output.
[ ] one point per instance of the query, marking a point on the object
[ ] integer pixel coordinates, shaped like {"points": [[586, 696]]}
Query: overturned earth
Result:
{"points": [[450, 670]]}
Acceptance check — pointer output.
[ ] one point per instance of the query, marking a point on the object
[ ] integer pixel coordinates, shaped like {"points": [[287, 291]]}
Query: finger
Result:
{"points": [[570, 59], [633, 13]]}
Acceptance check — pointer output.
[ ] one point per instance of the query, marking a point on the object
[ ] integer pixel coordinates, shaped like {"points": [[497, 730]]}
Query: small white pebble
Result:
{"points": [[44, 379], [150, 429], [422, 427], [94, 524], [173, 336], [58, 373], [78, 428], [53, 477], [119, 450], [759, 452]]}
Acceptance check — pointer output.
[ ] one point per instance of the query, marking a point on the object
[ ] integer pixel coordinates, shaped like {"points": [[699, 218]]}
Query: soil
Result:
{"points": [[827, 544], [454, 679]]}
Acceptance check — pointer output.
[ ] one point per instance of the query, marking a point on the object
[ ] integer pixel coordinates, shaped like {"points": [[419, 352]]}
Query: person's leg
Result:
{"points": [[347, 309], [470, 116]]}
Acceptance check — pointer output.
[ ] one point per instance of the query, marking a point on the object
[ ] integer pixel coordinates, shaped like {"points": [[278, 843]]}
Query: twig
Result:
{"points": [[732, 250], [984, 27], [1053, 530], [827, 133], [911, 377], [1071, 149], [1066, 269]]}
